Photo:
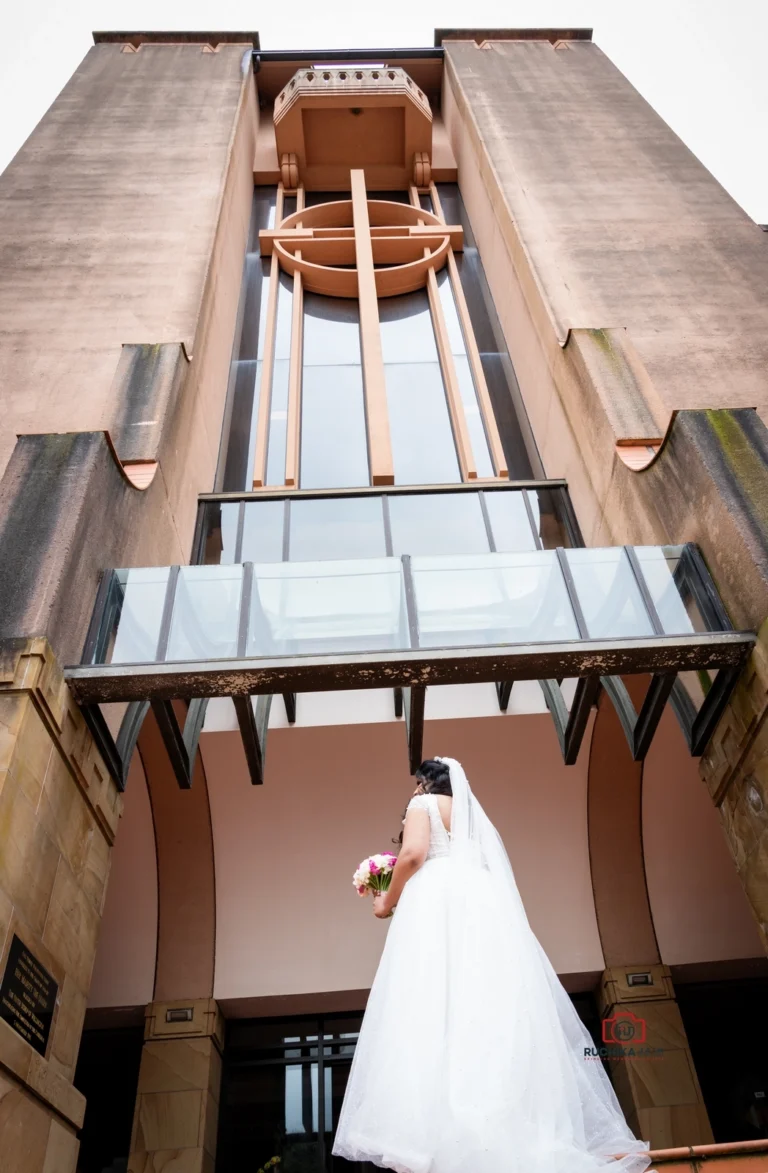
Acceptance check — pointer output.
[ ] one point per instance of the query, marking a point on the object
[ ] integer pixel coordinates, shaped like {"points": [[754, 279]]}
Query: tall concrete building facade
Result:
{"points": [[359, 407]]}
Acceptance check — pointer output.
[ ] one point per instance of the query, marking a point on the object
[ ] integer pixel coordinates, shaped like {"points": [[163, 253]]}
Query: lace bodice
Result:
{"points": [[439, 838]]}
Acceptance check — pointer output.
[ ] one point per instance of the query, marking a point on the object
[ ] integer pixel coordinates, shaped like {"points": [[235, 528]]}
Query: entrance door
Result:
{"points": [[282, 1090]]}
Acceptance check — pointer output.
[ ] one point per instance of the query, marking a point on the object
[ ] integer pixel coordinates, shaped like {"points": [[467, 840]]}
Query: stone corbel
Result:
{"points": [[422, 169], [289, 171]]}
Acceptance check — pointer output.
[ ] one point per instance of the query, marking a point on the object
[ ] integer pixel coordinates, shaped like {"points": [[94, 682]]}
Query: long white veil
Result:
{"points": [[538, 1093]]}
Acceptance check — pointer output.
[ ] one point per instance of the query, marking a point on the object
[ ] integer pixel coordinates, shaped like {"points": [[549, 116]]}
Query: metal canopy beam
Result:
{"points": [[102, 683], [504, 692], [181, 744], [253, 721], [289, 699], [173, 739], [414, 699], [640, 728], [571, 726], [596, 663]]}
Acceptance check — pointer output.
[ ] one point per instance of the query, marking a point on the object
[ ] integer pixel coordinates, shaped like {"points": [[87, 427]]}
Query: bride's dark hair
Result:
{"points": [[434, 777]]}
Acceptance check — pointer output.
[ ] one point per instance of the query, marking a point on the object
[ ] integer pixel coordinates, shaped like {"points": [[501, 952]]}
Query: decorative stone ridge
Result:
{"points": [[330, 120], [59, 811], [483, 35], [137, 39], [358, 81]]}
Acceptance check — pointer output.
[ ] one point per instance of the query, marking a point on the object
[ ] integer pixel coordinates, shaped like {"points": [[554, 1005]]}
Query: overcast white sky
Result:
{"points": [[700, 63]]}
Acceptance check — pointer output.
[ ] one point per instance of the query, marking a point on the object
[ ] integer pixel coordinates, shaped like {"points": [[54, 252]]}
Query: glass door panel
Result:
{"points": [[282, 1093]]}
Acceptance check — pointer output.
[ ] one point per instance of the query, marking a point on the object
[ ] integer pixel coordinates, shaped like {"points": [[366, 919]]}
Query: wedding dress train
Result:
{"points": [[471, 1057]]}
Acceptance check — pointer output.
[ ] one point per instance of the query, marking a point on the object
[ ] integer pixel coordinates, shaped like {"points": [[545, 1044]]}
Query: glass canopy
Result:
{"points": [[285, 609], [172, 637]]}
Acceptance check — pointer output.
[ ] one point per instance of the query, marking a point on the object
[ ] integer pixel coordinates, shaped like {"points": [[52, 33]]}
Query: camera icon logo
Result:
{"points": [[624, 1027]]}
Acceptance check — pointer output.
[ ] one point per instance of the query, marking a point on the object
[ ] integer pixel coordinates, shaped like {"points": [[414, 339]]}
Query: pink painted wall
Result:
{"points": [[699, 908], [288, 919], [124, 972]]}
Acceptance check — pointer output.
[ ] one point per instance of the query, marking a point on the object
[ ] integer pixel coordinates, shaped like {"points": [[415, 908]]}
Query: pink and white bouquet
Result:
{"points": [[375, 873]]}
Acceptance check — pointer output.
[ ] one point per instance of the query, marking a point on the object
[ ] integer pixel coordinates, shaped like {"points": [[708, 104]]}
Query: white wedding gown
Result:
{"points": [[471, 1056]]}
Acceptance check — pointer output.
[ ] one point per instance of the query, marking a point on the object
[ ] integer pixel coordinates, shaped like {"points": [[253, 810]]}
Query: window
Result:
{"points": [[334, 451], [444, 523], [282, 1090], [245, 374], [423, 448], [372, 525], [347, 527], [464, 376], [278, 408], [426, 389]]}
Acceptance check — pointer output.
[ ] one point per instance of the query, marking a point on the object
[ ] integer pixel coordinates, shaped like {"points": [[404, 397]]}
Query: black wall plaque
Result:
{"points": [[27, 996]]}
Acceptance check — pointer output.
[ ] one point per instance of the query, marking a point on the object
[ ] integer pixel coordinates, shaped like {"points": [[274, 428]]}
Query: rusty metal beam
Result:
{"points": [[101, 683]]}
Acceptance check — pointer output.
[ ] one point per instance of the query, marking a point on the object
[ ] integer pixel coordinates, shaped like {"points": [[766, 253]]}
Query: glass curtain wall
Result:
{"points": [[307, 529], [236, 456], [333, 439], [282, 1092], [423, 448], [334, 448], [511, 417]]}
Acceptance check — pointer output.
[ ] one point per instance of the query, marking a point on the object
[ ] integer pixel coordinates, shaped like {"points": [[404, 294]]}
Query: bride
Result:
{"points": [[471, 1056]]}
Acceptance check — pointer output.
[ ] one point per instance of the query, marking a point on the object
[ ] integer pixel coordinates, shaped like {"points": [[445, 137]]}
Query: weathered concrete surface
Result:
{"points": [[621, 225], [591, 217], [108, 218], [67, 513], [123, 223]]}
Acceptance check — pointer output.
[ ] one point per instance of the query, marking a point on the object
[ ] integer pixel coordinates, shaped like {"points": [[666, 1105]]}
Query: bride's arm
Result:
{"points": [[410, 858]]}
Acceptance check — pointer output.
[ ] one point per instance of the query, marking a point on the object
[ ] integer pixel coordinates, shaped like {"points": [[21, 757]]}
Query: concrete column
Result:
{"points": [[177, 1106], [650, 1060], [58, 815]]}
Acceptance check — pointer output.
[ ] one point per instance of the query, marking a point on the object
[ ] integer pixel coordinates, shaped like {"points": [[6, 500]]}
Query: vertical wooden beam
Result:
{"points": [[293, 423], [450, 378], [478, 375], [377, 415], [437, 207], [498, 458]]}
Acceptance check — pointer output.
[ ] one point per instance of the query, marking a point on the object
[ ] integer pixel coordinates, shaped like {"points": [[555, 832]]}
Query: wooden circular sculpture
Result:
{"points": [[322, 244]]}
